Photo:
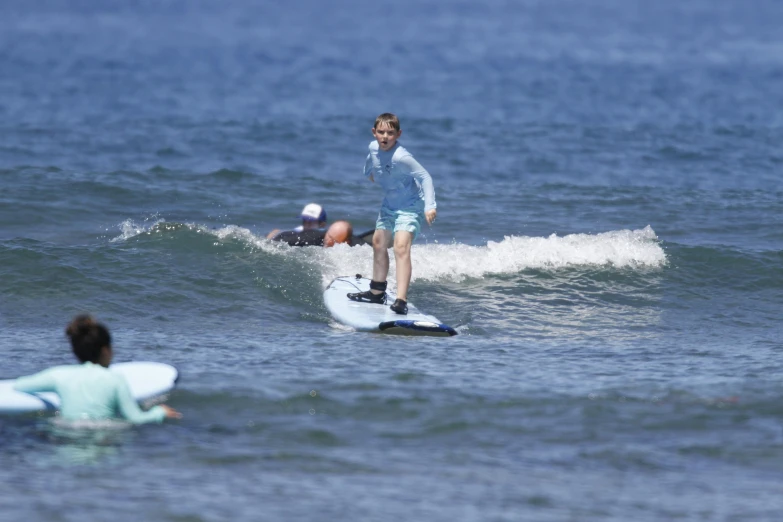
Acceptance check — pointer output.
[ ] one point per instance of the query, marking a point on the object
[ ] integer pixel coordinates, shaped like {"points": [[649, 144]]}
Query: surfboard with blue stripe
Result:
{"points": [[372, 317]]}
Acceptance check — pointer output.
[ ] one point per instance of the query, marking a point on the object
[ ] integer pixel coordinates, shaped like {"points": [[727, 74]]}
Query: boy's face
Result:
{"points": [[386, 136]]}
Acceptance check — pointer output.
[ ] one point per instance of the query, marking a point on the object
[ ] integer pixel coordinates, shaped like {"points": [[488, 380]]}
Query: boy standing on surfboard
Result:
{"points": [[409, 199]]}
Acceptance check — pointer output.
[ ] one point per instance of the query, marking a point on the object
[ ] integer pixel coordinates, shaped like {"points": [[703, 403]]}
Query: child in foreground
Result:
{"points": [[89, 391], [409, 199]]}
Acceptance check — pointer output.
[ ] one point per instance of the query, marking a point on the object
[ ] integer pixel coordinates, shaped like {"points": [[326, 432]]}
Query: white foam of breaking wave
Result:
{"points": [[455, 262]]}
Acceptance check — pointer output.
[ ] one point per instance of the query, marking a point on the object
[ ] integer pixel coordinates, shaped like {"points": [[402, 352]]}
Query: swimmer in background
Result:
{"points": [[310, 232], [314, 232], [89, 391]]}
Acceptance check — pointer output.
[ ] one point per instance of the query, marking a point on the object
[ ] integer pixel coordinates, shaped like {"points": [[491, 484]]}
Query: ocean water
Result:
{"points": [[609, 246]]}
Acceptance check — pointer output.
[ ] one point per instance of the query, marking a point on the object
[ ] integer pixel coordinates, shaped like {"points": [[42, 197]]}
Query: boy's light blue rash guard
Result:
{"points": [[89, 391], [404, 181]]}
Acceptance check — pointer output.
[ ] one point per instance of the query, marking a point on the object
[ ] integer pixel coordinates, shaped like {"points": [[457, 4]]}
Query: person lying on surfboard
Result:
{"points": [[89, 391], [409, 199], [310, 232], [313, 231]]}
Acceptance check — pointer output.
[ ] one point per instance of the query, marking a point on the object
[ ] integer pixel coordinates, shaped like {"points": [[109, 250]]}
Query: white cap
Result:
{"points": [[313, 212]]}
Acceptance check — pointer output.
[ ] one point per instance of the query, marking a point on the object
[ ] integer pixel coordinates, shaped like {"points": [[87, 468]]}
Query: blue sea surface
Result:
{"points": [[609, 246]]}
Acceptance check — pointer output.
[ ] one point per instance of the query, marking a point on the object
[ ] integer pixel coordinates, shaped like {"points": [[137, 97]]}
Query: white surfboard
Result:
{"points": [[146, 380], [372, 317]]}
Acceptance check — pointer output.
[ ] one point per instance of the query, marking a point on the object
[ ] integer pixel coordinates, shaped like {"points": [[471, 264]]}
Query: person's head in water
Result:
{"points": [[313, 216], [90, 340], [339, 232]]}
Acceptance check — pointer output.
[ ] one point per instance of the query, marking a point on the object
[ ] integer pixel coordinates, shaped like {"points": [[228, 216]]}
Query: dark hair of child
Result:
{"points": [[88, 337]]}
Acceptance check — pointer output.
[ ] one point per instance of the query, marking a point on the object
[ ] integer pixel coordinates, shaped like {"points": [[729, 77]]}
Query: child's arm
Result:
{"points": [[130, 409], [424, 180], [368, 168], [44, 381]]}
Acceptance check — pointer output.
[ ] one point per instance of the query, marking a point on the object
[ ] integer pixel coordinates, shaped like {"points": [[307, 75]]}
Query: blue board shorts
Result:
{"points": [[408, 219]]}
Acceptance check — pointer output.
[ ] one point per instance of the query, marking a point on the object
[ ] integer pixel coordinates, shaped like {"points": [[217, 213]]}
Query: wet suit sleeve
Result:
{"points": [[130, 409], [423, 178], [302, 237], [44, 381]]}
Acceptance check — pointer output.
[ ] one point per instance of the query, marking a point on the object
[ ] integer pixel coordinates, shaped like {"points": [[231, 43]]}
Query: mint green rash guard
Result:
{"points": [[89, 391], [404, 181]]}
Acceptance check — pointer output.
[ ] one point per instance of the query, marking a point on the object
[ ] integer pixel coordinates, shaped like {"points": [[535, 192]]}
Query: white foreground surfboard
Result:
{"points": [[145, 379], [371, 317]]}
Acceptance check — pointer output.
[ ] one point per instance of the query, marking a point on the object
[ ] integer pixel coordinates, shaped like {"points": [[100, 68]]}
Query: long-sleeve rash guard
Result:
{"points": [[89, 391], [404, 181]]}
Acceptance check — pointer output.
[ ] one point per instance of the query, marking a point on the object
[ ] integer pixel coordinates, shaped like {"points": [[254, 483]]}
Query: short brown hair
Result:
{"points": [[389, 118]]}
